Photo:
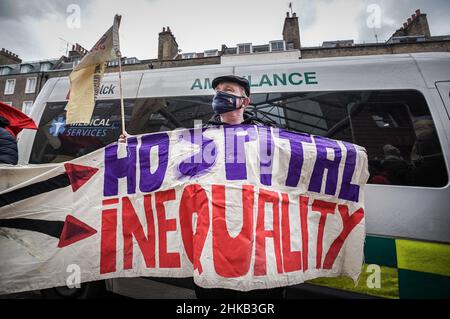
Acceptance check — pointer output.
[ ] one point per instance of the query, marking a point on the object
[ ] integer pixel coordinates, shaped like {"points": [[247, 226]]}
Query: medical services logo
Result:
{"points": [[58, 126]]}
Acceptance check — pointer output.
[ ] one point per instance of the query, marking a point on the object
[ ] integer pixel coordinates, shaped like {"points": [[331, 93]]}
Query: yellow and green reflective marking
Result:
{"points": [[408, 269]]}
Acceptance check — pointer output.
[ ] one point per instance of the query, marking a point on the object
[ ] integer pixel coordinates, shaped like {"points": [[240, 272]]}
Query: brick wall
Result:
{"points": [[377, 49]]}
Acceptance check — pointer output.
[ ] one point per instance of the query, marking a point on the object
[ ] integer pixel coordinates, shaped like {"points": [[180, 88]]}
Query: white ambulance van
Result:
{"points": [[396, 106]]}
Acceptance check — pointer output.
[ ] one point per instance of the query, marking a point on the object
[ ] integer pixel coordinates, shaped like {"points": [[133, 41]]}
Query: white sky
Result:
{"points": [[35, 27]]}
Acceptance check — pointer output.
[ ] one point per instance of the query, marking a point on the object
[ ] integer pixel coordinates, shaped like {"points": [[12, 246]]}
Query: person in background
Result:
{"points": [[426, 155], [8, 144]]}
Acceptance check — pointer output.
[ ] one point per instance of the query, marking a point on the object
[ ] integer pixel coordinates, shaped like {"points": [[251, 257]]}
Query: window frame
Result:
{"points": [[244, 44], [211, 53], [25, 68], [27, 86], [271, 43], [189, 55], [46, 66], [5, 92], [24, 109]]}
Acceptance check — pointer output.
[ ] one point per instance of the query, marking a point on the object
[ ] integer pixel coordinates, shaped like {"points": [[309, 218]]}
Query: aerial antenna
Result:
{"points": [[290, 7], [66, 45], [375, 35]]}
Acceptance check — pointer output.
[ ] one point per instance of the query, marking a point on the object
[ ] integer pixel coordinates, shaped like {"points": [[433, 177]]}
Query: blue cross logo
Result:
{"points": [[58, 126]]}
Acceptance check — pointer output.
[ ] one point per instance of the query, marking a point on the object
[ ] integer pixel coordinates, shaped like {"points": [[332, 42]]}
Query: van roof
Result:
{"points": [[398, 71]]}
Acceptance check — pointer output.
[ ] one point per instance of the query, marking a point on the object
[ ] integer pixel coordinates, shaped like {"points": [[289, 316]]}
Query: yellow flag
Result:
{"points": [[86, 77]]}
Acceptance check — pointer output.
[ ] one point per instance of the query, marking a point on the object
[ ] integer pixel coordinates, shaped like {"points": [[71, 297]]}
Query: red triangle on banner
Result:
{"points": [[74, 230], [79, 174]]}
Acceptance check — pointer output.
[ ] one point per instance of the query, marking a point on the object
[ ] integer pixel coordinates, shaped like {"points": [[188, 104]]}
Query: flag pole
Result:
{"points": [[122, 107]]}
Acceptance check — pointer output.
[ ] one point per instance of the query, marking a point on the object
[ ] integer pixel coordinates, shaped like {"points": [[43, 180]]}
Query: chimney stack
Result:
{"points": [[417, 25], [8, 57], [167, 45], [291, 31]]}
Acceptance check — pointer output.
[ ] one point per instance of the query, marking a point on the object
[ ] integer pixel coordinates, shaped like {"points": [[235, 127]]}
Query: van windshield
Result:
{"points": [[57, 142]]}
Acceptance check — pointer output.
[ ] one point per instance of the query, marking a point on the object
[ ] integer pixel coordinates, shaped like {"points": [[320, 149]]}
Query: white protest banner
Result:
{"points": [[241, 207]]}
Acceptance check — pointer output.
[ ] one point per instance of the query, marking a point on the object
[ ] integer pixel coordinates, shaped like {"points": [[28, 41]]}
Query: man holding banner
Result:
{"points": [[230, 103]]}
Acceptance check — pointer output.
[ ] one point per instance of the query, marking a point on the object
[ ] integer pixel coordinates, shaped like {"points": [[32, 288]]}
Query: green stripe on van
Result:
{"points": [[380, 251], [388, 284], [414, 284], [424, 257]]}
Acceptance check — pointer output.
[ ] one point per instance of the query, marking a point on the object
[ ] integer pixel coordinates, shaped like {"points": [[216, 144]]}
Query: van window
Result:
{"points": [[395, 127], [57, 142]]}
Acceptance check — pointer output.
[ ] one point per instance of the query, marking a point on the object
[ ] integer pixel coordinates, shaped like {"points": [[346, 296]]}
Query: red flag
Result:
{"points": [[17, 120]]}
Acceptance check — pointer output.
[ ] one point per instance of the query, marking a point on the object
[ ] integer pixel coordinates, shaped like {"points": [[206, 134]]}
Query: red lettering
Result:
{"points": [[304, 200], [324, 208], [291, 259], [108, 240], [194, 200], [132, 227], [262, 233], [166, 260], [349, 223], [232, 256]]}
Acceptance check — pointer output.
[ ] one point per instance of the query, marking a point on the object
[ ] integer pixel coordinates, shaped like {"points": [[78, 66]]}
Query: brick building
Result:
{"points": [[413, 37], [20, 82]]}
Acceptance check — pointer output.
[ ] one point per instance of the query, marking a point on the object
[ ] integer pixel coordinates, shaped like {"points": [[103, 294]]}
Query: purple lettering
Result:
{"points": [[296, 162], [116, 168], [202, 161], [149, 181], [322, 163], [235, 160], [266, 147], [349, 191]]}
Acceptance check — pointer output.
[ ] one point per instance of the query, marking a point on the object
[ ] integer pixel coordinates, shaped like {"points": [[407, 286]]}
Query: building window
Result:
{"points": [[244, 48], [9, 86], [75, 63], [211, 53], [27, 106], [31, 85], [189, 55], [277, 46], [9, 103], [25, 68], [45, 67], [130, 61], [5, 71], [113, 63]]}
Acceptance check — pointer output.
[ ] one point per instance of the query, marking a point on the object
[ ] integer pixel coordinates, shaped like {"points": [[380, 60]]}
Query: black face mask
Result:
{"points": [[225, 102]]}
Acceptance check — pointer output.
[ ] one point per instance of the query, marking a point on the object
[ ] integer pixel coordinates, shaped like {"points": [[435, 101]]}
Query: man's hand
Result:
{"points": [[123, 137]]}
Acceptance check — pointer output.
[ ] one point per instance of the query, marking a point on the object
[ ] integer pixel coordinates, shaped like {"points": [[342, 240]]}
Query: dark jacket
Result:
{"points": [[8, 144], [249, 118]]}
